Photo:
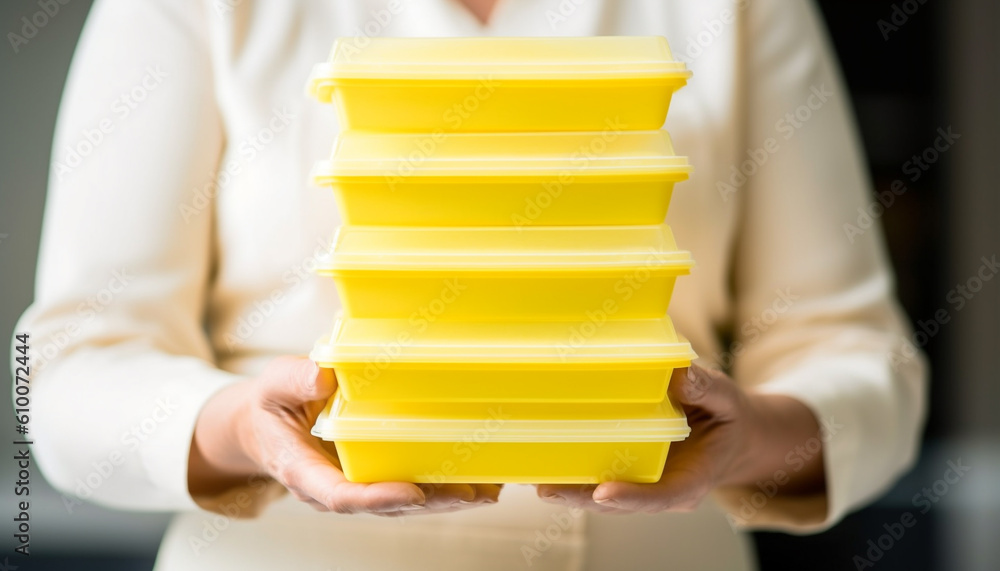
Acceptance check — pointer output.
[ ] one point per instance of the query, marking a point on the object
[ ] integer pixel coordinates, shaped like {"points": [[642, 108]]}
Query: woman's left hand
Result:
{"points": [[736, 439]]}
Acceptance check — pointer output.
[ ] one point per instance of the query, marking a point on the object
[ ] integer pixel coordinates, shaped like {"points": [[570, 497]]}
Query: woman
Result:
{"points": [[192, 224]]}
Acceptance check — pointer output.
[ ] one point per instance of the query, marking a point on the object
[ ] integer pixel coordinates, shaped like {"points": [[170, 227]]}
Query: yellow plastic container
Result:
{"points": [[501, 443], [546, 273], [458, 361], [500, 84], [503, 179]]}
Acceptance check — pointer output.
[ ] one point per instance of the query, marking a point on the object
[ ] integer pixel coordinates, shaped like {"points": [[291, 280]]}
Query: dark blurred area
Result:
{"points": [[915, 69]]}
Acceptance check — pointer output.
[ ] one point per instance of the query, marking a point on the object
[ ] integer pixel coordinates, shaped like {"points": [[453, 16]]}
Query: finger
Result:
{"points": [[328, 382], [316, 505], [431, 511], [379, 497], [292, 381], [679, 490], [444, 495], [573, 495], [566, 493], [311, 474], [488, 493], [710, 390]]}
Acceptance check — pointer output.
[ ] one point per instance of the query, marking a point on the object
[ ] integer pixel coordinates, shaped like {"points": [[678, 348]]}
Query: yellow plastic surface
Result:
{"points": [[552, 273], [499, 84], [501, 443], [581, 178], [459, 361], [503, 462]]}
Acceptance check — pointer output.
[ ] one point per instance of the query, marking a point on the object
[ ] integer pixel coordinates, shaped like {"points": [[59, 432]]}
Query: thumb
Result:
{"points": [[293, 381], [707, 389]]}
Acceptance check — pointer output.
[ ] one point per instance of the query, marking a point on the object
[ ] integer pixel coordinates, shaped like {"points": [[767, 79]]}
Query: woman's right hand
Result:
{"points": [[261, 427]]}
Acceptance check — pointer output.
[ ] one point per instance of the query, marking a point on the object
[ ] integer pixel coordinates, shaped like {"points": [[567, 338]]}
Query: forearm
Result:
{"points": [[217, 461], [784, 445]]}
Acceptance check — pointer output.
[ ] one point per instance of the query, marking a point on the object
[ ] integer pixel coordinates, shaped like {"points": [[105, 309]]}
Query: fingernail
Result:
{"points": [[411, 507], [553, 497], [312, 370], [607, 502], [466, 502], [699, 382]]}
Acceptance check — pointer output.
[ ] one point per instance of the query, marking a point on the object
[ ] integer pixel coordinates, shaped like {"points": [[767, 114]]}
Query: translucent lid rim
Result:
{"points": [[654, 258], [329, 74], [659, 159], [681, 356], [672, 428], [334, 264], [328, 171], [652, 55], [331, 351]]}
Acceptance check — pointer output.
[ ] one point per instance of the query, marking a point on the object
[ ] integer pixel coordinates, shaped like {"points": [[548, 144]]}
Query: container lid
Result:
{"points": [[581, 154], [356, 340], [543, 59], [505, 248], [504, 422]]}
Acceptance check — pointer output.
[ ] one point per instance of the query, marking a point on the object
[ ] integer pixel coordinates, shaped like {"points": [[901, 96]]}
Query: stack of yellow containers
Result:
{"points": [[504, 267]]}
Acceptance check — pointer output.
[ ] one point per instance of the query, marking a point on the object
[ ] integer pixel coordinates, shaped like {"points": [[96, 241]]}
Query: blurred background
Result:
{"points": [[912, 67]]}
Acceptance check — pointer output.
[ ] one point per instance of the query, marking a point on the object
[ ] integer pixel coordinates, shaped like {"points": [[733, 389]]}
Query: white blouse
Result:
{"points": [[181, 227]]}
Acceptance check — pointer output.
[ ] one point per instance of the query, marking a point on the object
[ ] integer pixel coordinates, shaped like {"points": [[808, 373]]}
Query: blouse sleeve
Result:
{"points": [[122, 364], [815, 314]]}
